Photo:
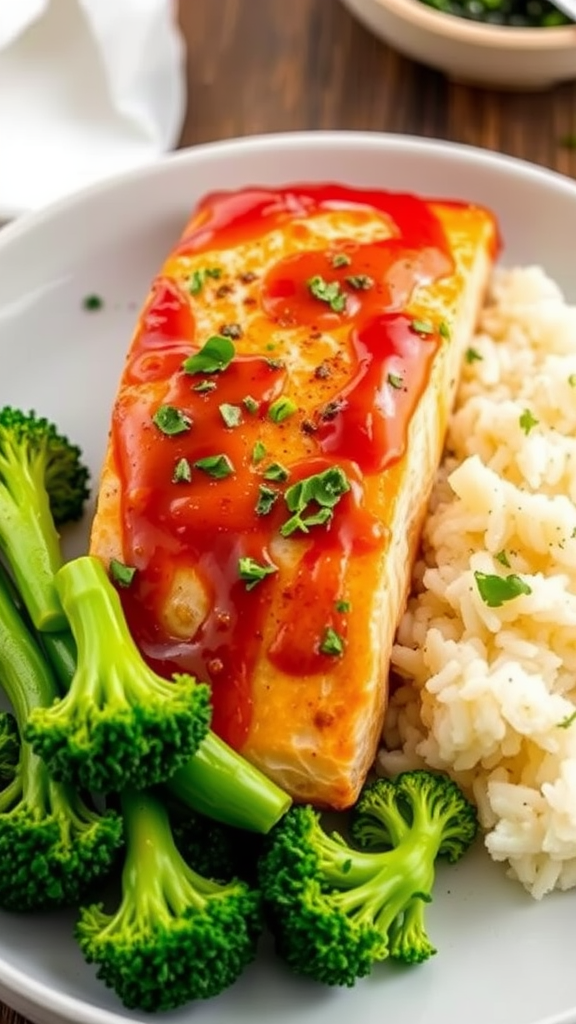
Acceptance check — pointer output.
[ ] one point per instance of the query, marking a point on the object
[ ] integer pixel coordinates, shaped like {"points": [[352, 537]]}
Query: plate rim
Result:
{"points": [[31, 993]]}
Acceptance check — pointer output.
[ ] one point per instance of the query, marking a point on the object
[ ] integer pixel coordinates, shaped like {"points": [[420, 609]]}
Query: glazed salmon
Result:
{"points": [[276, 431]]}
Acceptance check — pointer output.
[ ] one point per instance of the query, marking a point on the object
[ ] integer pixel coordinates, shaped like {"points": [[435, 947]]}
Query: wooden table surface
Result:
{"points": [[283, 65]]}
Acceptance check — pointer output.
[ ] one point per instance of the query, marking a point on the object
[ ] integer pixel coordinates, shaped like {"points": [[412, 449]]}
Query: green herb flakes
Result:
{"points": [[340, 259], [93, 303], [258, 452], [567, 722], [182, 472], [527, 421], [215, 356], [329, 292], [572, 380], [497, 590], [444, 331], [360, 282], [422, 327], [253, 572], [204, 387], [395, 381], [324, 489], [217, 466], [267, 498], [250, 404], [332, 643], [197, 279], [171, 420], [281, 409], [472, 356], [502, 557], [231, 414], [277, 472], [122, 574]]}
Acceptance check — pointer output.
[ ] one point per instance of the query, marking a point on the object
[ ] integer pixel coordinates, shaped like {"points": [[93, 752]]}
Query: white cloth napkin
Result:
{"points": [[88, 88]]}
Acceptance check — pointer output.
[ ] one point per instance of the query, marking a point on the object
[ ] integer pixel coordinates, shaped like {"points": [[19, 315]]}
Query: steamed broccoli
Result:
{"points": [[176, 936], [335, 910], [43, 484], [213, 849], [9, 747], [119, 724], [53, 846]]}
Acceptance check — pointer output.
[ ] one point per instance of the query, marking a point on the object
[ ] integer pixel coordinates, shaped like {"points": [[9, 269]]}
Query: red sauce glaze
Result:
{"points": [[211, 523]]}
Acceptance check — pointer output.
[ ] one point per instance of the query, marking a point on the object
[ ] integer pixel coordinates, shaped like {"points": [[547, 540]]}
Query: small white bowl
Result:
{"points": [[468, 51]]}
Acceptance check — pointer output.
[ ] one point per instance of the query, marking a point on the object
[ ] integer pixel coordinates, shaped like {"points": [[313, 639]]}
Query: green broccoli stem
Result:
{"points": [[59, 646], [61, 653], [30, 540], [26, 676], [223, 785], [217, 781], [155, 873]]}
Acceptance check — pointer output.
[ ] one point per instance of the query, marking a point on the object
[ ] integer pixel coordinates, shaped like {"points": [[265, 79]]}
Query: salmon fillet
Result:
{"points": [[276, 431]]}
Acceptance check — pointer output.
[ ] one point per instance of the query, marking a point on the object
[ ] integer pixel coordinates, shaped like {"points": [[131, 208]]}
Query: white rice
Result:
{"points": [[487, 693]]}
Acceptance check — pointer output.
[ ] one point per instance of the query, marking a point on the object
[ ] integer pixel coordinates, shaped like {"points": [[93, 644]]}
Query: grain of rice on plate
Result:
{"points": [[487, 667]]}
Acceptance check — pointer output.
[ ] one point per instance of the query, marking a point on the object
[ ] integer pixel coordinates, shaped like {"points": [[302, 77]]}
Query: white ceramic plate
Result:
{"points": [[503, 959]]}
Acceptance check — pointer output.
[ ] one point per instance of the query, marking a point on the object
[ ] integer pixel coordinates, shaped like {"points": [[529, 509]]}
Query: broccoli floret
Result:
{"points": [[120, 724], [43, 484], [53, 846], [9, 747], [213, 849], [176, 936], [335, 910]]}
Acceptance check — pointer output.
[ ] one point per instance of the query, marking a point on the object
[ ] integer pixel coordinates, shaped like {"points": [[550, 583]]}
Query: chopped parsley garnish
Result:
{"points": [[361, 282], [182, 473], [281, 409], [329, 292], [343, 606], [527, 421], [92, 303], [444, 330], [572, 380], [195, 282], [332, 643], [120, 573], [568, 721], [395, 380], [497, 590], [324, 489], [253, 572], [171, 420], [204, 386], [267, 498], [340, 259], [502, 557], [276, 471], [473, 356], [422, 327], [231, 331], [231, 414], [258, 452], [214, 356], [218, 466], [250, 404]]}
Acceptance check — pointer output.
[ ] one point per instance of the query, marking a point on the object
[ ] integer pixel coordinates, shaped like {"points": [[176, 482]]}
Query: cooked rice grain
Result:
{"points": [[488, 693]]}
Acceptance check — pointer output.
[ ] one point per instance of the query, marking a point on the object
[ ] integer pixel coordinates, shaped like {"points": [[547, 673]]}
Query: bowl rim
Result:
{"points": [[440, 23]]}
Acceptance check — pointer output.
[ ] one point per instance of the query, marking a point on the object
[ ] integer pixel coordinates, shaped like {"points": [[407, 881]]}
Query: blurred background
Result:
{"points": [[281, 65]]}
